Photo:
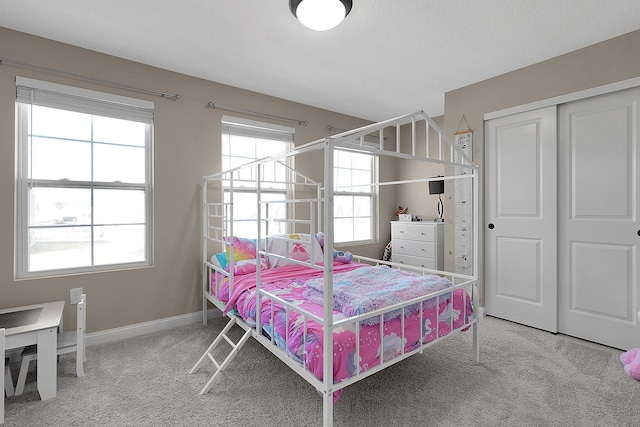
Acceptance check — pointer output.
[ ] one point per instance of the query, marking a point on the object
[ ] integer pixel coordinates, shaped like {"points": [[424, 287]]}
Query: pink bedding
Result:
{"points": [[294, 284]]}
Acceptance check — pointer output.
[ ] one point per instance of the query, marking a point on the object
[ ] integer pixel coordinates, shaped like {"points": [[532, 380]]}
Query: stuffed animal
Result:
{"points": [[631, 362], [401, 210], [343, 257]]}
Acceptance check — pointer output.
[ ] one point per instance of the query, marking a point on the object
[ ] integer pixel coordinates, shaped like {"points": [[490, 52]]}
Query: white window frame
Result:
{"points": [[371, 193], [89, 102], [268, 131]]}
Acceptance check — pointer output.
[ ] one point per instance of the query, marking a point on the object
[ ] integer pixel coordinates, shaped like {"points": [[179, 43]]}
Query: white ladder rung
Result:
{"points": [[214, 361], [231, 343], [207, 354]]}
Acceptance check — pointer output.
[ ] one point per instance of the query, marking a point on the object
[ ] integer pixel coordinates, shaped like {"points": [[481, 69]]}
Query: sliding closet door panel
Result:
{"points": [[520, 215], [598, 219]]}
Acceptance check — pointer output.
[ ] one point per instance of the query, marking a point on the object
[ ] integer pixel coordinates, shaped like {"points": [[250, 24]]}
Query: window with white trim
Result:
{"points": [[84, 180], [244, 141], [353, 196]]}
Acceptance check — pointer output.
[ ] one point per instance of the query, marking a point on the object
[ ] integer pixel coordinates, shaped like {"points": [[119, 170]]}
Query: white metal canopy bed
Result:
{"points": [[334, 321]]}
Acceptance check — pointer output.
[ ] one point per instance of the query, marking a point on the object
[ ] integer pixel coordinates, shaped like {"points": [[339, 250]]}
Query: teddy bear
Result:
{"points": [[631, 362]]}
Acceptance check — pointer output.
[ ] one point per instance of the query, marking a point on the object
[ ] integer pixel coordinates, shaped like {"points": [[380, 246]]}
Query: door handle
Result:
{"points": [[491, 226]]}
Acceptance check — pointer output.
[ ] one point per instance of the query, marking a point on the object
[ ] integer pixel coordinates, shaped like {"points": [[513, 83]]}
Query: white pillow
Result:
{"points": [[297, 251]]}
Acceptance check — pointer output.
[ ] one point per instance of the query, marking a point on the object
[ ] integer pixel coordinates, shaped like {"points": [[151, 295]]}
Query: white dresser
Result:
{"points": [[418, 243]]}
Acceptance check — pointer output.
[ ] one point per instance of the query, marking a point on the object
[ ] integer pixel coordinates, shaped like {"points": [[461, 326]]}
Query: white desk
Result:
{"points": [[41, 329]]}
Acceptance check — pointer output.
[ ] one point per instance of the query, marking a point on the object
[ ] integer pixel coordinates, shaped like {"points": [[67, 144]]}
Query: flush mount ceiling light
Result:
{"points": [[320, 15]]}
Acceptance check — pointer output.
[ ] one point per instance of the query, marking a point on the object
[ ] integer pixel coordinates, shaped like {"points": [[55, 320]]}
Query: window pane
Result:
{"points": [[55, 248], [361, 181], [342, 179], [362, 229], [246, 145], [59, 206], [362, 206], [119, 244], [353, 174], [66, 154], [361, 161], [275, 175], [60, 159], [241, 146], [343, 230], [63, 124], [119, 207], [116, 131], [114, 163], [343, 206], [342, 159], [245, 214], [265, 147]]}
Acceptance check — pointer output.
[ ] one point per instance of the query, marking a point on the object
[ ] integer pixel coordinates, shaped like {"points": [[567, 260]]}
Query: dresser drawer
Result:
{"points": [[412, 231], [413, 260], [413, 247]]}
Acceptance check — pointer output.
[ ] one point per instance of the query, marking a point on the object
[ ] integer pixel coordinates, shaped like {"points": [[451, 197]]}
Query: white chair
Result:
{"points": [[68, 342]]}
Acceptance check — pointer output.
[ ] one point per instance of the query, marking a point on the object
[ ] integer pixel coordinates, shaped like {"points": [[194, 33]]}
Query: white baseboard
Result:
{"points": [[131, 331]]}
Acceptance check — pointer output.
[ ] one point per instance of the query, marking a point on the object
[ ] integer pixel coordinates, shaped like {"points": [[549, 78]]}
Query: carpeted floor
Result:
{"points": [[526, 377]]}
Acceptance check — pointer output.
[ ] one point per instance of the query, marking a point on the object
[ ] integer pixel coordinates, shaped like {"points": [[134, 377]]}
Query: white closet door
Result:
{"points": [[520, 218], [598, 219]]}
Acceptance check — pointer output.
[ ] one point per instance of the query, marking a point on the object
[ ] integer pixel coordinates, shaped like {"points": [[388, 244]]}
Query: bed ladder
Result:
{"points": [[208, 354]]}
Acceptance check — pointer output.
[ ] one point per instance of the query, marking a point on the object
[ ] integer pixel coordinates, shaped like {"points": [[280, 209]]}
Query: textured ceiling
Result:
{"points": [[387, 57]]}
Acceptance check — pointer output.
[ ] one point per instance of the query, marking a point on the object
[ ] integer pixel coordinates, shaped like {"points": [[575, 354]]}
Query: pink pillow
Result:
{"points": [[247, 266]]}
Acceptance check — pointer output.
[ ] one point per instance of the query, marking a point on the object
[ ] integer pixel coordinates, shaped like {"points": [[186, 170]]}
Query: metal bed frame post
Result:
{"points": [[327, 368], [205, 240], [476, 263], [259, 218]]}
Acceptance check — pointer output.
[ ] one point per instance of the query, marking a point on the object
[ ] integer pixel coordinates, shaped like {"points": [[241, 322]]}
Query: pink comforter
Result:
{"points": [[289, 283]]}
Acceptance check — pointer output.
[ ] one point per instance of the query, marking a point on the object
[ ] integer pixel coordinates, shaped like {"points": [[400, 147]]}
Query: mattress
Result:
{"points": [[358, 289]]}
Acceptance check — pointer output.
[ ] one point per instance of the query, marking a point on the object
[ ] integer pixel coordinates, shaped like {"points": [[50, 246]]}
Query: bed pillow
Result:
{"points": [[219, 259], [242, 249], [247, 266], [297, 251]]}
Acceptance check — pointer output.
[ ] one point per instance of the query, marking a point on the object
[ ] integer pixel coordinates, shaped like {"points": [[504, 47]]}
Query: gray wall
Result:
{"points": [[186, 147], [607, 62]]}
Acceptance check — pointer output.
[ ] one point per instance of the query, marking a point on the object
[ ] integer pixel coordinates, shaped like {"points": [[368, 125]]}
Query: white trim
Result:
{"points": [[563, 99], [232, 120], [85, 93], [138, 329]]}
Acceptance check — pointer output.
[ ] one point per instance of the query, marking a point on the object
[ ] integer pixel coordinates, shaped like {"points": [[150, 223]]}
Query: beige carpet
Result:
{"points": [[526, 378]]}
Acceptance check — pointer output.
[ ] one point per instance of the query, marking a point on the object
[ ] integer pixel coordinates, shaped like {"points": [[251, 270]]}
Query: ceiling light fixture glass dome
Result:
{"points": [[320, 15]]}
